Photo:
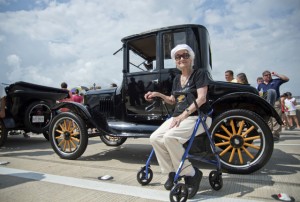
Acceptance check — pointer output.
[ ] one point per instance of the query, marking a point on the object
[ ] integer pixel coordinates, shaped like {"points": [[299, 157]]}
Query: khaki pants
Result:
{"points": [[168, 144], [274, 126]]}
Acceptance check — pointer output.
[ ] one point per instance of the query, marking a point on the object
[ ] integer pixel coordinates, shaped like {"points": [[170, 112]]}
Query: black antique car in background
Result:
{"points": [[240, 132], [28, 109]]}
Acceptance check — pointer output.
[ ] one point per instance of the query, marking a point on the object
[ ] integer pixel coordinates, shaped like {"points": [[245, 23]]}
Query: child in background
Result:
{"points": [[283, 110], [290, 104]]}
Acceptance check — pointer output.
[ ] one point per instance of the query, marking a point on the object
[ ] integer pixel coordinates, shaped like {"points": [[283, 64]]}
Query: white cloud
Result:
{"points": [[74, 41]]}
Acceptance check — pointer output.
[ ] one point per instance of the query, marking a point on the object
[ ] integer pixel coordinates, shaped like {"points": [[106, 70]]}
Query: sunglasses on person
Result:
{"points": [[267, 74], [184, 56]]}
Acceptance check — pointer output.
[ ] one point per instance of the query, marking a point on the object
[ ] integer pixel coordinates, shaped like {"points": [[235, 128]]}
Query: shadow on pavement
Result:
{"points": [[18, 178]]}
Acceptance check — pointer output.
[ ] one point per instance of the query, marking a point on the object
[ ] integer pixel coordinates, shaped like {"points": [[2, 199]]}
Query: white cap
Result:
{"points": [[182, 47]]}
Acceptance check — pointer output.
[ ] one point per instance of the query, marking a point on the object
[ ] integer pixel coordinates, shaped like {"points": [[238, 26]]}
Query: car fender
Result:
{"points": [[84, 113], [74, 106], [260, 105]]}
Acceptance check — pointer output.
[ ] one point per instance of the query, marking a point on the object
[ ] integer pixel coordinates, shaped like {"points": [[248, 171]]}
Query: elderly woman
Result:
{"points": [[169, 138]]}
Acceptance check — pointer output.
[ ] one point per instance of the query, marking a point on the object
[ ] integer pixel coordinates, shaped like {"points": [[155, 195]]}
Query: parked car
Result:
{"points": [[240, 132], [28, 109]]}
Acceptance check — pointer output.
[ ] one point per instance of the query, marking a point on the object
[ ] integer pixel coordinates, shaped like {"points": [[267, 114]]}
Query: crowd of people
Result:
{"points": [[269, 88], [74, 96]]}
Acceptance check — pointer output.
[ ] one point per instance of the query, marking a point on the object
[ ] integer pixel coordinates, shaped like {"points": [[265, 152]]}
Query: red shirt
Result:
{"points": [[77, 98]]}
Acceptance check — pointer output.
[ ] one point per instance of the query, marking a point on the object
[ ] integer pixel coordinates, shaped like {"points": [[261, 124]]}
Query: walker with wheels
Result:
{"points": [[179, 192]]}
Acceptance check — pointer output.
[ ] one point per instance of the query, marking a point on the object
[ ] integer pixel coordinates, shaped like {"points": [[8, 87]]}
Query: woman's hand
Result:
{"points": [[176, 121], [168, 99], [150, 95]]}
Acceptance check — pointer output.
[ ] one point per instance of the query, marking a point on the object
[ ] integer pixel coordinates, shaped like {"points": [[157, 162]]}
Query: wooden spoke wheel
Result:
{"points": [[112, 140], [243, 141], [68, 135]]}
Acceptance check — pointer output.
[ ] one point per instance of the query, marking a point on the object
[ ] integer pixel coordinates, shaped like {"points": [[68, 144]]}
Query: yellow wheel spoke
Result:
{"points": [[73, 128], [65, 145], [62, 127], [240, 156], [65, 124], [248, 131], [61, 142], [69, 125], [231, 155], [222, 144], [74, 134], [75, 139], [222, 136], [72, 143], [248, 153], [241, 126], [69, 145], [225, 129], [252, 138], [252, 146], [59, 131], [58, 137], [232, 126], [226, 150]]}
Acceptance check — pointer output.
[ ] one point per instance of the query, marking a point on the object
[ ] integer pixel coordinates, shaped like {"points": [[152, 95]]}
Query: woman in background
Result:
{"points": [[242, 78]]}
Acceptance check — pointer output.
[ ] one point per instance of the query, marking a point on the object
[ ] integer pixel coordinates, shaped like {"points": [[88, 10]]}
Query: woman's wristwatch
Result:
{"points": [[188, 111]]}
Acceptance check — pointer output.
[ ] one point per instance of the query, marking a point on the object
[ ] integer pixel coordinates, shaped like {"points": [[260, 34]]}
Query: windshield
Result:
{"points": [[142, 54]]}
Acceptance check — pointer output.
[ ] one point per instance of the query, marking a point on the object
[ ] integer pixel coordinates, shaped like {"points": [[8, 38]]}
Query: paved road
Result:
{"points": [[36, 173]]}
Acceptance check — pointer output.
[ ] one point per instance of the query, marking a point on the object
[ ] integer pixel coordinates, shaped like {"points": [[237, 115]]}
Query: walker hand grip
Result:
{"points": [[155, 104]]}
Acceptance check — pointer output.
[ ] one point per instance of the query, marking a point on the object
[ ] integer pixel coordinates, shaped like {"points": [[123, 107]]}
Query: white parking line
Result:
{"points": [[104, 186]]}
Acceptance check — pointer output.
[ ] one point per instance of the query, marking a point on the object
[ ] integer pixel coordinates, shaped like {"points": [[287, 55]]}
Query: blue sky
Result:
{"points": [[47, 42]]}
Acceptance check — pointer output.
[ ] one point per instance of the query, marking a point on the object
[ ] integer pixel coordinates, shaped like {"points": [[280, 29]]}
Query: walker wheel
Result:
{"points": [[142, 177], [179, 193], [215, 180]]}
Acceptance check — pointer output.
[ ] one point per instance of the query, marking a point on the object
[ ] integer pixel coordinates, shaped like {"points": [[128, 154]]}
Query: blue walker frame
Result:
{"points": [[186, 155]]}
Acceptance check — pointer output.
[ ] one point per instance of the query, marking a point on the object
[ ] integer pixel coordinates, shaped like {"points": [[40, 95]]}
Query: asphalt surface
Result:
{"points": [[35, 173]]}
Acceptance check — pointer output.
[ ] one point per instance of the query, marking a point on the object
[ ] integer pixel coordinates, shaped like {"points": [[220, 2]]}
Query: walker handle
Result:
{"points": [[156, 103]]}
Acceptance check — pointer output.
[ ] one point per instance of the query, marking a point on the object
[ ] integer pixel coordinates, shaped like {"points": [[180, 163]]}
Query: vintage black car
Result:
{"points": [[240, 132], [28, 109]]}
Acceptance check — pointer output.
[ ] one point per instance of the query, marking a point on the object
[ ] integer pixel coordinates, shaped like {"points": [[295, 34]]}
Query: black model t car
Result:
{"points": [[28, 108], [241, 135]]}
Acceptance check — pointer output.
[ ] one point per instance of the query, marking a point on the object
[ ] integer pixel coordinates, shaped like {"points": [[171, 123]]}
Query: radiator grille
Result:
{"points": [[106, 106]]}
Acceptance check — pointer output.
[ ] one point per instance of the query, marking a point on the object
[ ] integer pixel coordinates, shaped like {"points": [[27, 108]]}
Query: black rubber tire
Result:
{"points": [[100, 119], [68, 135], [142, 178], [3, 133], [46, 135], [41, 108], [215, 180], [112, 140], [252, 154], [179, 193]]}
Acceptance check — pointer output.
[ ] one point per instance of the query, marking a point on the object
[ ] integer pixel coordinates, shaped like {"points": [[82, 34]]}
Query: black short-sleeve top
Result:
{"points": [[198, 79]]}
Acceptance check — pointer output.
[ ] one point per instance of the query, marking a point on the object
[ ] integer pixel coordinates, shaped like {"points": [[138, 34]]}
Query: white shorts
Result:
{"points": [[291, 113]]}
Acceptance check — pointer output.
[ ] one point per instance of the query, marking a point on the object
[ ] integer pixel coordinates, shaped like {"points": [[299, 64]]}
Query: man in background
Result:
{"points": [[270, 88], [229, 76]]}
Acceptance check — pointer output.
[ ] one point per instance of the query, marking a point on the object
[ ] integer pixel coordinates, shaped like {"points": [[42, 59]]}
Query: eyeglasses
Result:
{"points": [[184, 56], [267, 74]]}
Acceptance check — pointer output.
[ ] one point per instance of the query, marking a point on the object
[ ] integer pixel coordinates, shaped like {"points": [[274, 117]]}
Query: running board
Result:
{"points": [[125, 129]]}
